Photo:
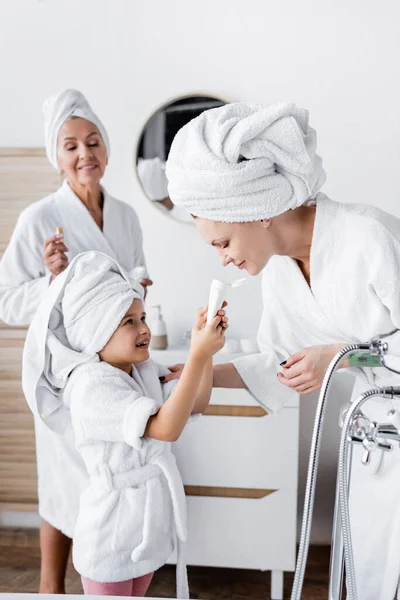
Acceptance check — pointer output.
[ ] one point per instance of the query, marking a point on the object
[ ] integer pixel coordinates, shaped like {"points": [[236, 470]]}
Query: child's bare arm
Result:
{"points": [[205, 389], [194, 383], [169, 422]]}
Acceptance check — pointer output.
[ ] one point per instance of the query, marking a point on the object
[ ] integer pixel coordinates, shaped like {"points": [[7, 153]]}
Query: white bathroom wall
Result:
{"points": [[338, 58]]}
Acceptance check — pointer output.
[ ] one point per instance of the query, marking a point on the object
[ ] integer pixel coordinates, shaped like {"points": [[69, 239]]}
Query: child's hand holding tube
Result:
{"points": [[176, 370], [208, 339]]}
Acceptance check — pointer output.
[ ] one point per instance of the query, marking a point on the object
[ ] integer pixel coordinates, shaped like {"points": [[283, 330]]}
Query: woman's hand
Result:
{"points": [[54, 256], [304, 371], [176, 372]]}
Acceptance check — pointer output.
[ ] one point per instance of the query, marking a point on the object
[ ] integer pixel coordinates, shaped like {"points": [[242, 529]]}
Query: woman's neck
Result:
{"points": [[296, 232], [91, 196], [302, 256]]}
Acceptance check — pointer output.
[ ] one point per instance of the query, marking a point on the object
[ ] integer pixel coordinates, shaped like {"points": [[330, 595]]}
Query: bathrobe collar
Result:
{"points": [[72, 211]]}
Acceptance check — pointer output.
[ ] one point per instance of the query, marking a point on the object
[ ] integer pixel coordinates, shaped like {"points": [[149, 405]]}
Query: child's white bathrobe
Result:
{"points": [[354, 296], [134, 504], [23, 282]]}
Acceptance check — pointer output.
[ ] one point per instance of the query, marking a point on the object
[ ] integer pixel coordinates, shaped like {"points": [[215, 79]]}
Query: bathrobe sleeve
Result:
{"points": [[23, 277], [259, 374], [107, 409], [259, 371], [385, 279], [137, 236]]}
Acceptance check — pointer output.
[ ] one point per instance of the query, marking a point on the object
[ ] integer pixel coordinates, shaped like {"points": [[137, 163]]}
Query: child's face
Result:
{"points": [[130, 342]]}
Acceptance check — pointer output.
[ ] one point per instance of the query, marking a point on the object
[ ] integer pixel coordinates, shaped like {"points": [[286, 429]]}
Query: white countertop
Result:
{"points": [[179, 354]]}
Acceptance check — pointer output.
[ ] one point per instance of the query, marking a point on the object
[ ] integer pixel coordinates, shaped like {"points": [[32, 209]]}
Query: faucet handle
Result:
{"points": [[366, 458], [370, 445]]}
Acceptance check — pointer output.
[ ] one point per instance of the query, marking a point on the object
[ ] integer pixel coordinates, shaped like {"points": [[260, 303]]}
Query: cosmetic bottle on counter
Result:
{"points": [[159, 340]]}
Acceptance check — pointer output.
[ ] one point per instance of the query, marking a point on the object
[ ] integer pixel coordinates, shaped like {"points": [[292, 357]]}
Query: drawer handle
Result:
{"points": [[225, 410], [226, 492]]}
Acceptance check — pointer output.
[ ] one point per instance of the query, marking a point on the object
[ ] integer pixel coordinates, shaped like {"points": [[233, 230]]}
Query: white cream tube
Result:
{"points": [[216, 298], [218, 293]]}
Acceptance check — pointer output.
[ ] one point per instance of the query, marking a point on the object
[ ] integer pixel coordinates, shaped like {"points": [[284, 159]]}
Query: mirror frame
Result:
{"points": [[139, 137]]}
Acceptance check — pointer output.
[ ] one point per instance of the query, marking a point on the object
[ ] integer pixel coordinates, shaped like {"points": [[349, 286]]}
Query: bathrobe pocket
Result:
{"points": [[143, 519], [129, 519]]}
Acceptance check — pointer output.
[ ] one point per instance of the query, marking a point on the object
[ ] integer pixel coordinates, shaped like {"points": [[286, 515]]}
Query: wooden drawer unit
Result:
{"points": [[25, 177], [240, 452], [18, 478], [242, 533]]}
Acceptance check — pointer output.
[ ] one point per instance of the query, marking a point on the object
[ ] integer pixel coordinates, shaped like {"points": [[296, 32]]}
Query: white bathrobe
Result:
{"points": [[134, 504], [23, 281], [354, 296], [23, 277]]}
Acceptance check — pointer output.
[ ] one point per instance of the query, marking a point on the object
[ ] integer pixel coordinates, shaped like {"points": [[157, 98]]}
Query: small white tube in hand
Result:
{"points": [[218, 291]]}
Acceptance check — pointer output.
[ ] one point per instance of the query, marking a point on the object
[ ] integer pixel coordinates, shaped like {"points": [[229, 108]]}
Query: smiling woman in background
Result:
{"points": [[77, 144]]}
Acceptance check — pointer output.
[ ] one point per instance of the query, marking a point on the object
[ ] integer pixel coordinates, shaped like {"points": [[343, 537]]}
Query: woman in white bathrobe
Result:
{"points": [[76, 144], [250, 176]]}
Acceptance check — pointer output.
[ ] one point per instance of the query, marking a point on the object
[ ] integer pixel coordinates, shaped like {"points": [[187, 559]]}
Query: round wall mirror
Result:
{"points": [[154, 144]]}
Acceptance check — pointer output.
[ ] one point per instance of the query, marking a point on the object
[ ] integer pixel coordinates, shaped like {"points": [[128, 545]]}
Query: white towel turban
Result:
{"points": [[94, 302], [78, 315], [57, 109], [244, 162]]}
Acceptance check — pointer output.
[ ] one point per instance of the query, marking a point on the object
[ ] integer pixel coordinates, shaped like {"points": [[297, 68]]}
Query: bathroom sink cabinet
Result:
{"points": [[239, 466]]}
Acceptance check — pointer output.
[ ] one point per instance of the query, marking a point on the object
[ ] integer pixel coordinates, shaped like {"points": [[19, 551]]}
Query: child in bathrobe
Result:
{"points": [[86, 365]]}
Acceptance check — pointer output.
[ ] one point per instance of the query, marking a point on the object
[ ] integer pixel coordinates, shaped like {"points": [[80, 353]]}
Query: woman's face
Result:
{"points": [[81, 153], [130, 342], [248, 246]]}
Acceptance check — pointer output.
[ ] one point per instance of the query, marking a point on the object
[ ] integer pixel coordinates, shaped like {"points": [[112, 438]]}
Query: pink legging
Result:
{"points": [[131, 587]]}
